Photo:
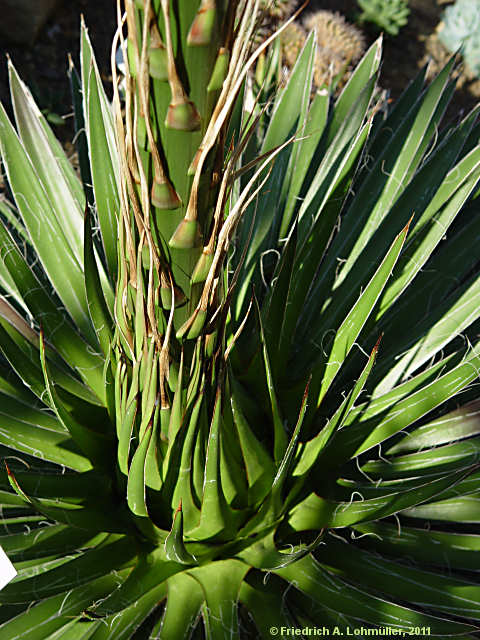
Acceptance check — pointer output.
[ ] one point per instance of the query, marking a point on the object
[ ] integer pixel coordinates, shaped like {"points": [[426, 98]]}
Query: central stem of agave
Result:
{"points": [[183, 72]]}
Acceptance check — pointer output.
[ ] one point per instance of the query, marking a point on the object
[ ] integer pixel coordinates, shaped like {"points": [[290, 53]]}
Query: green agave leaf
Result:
{"points": [[443, 324], [96, 299], [378, 405], [60, 190], [102, 517], [220, 582], [29, 568], [175, 421], [264, 554], [46, 232], [455, 425], [78, 629], [308, 612], [28, 413], [232, 467], [304, 152], [41, 442], [436, 194], [292, 102], [312, 449], [185, 598], [439, 459], [379, 190], [125, 422], [316, 512], [175, 549], [322, 586], [362, 74], [390, 121], [21, 349], [459, 550], [81, 141], [397, 164], [434, 284], [337, 160], [273, 307], [351, 326], [444, 594], [442, 205], [51, 483], [48, 616], [104, 161], [266, 603], [150, 571], [289, 111], [183, 489], [459, 509], [136, 492], [56, 326], [48, 540], [324, 209], [374, 428], [216, 518], [279, 435], [92, 564], [122, 625], [153, 459], [7, 283], [92, 443], [259, 466], [274, 504]]}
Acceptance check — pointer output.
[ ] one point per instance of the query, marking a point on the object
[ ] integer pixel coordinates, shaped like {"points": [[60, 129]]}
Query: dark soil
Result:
{"points": [[43, 65]]}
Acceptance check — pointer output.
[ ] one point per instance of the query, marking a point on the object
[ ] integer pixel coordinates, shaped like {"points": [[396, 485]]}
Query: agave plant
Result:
{"points": [[196, 440]]}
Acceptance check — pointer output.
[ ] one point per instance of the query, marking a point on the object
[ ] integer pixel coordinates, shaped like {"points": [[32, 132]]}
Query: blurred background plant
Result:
{"points": [[460, 31], [388, 15]]}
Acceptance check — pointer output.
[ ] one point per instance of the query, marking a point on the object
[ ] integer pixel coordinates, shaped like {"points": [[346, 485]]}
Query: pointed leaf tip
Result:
{"points": [[377, 345]]}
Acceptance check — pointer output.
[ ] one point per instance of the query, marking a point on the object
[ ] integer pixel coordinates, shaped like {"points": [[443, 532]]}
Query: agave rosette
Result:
{"points": [[197, 441]]}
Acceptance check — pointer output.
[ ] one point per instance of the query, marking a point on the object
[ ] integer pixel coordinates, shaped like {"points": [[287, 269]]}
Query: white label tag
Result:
{"points": [[7, 570]]}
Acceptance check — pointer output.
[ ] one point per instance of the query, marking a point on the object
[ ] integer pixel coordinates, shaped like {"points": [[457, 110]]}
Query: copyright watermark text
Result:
{"points": [[352, 632]]}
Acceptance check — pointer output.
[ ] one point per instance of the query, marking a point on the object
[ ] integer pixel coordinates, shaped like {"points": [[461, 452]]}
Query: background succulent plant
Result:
{"points": [[460, 31], [387, 15], [197, 441]]}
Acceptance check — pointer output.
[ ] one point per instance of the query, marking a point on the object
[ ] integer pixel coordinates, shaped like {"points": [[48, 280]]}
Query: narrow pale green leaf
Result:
{"points": [[351, 326], [46, 232], [92, 564], [363, 72], [150, 571], [316, 512], [136, 492], [102, 151], [62, 195], [324, 587], [48, 616], [311, 449], [97, 306]]}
